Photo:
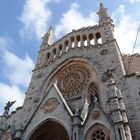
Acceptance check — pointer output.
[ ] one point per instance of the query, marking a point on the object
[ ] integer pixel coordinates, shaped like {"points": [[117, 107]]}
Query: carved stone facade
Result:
{"points": [[79, 90]]}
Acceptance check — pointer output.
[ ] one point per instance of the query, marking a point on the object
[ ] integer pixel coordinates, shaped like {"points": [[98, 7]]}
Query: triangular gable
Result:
{"points": [[51, 108], [96, 116]]}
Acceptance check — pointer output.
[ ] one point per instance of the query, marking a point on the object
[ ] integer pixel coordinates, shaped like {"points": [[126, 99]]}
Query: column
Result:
{"points": [[76, 126]]}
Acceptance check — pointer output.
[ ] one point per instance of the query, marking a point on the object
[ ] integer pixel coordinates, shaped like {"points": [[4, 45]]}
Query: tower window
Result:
{"points": [[85, 40], [91, 38], [60, 47], [66, 45], [98, 37], [54, 51], [72, 41], [78, 40], [48, 55]]}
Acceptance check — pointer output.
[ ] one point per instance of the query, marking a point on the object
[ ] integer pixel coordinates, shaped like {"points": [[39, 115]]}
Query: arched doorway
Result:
{"points": [[50, 130]]}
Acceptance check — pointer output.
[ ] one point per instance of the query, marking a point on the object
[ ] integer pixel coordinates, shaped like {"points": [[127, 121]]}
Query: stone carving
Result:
{"points": [[50, 105], [95, 114], [73, 79], [36, 99], [104, 52], [7, 107], [107, 75]]}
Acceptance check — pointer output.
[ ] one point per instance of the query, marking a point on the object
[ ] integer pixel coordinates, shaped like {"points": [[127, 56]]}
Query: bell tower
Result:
{"points": [[75, 90], [106, 24]]}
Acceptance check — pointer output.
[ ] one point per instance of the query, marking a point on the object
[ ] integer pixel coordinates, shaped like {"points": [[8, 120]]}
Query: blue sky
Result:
{"points": [[24, 23]]}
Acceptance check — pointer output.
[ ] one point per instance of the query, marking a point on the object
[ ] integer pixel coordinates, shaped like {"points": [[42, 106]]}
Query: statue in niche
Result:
{"points": [[8, 106], [48, 37]]}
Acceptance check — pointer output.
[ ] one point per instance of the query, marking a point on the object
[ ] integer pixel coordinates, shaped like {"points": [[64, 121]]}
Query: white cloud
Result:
{"points": [[35, 18], [126, 29], [4, 43], [132, 1], [74, 19], [17, 71], [10, 93]]}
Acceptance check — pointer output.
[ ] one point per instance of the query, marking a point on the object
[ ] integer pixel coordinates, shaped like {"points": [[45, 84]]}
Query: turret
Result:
{"points": [[104, 18], [106, 24]]}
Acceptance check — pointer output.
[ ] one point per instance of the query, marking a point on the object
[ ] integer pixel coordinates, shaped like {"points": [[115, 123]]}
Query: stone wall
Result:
{"points": [[135, 62]]}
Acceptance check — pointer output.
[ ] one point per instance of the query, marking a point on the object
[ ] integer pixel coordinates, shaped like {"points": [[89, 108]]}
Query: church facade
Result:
{"points": [[81, 89]]}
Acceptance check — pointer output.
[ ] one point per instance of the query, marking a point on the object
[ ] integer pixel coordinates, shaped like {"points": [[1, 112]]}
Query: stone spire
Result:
{"points": [[103, 15]]}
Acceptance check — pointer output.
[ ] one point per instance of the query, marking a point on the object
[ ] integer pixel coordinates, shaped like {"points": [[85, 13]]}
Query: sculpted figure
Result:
{"points": [[7, 107]]}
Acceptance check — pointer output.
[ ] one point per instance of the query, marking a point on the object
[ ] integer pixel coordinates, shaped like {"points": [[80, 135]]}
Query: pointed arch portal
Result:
{"points": [[50, 130]]}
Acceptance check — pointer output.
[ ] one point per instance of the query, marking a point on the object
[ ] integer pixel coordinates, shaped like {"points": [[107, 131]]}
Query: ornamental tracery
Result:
{"points": [[73, 79], [98, 132]]}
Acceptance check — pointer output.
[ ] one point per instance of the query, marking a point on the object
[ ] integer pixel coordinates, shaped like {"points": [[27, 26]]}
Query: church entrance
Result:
{"points": [[50, 130]]}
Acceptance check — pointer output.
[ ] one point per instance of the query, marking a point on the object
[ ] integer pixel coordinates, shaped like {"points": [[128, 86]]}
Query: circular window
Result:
{"points": [[98, 133], [73, 79]]}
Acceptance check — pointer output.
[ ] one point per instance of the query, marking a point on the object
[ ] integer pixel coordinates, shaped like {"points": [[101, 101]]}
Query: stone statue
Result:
{"points": [[48, 37], [7, 107]]}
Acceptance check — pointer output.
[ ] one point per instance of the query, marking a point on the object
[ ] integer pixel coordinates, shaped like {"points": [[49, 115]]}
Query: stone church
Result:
{"points": [[82, 88]]}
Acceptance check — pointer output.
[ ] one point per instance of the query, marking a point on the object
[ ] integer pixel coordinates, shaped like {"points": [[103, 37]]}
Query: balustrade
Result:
{"points": [[70, 43]]}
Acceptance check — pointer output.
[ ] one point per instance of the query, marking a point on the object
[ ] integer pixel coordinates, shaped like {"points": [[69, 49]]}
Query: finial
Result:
{"points": [[102, 12], [103, 15], [48, 37]]}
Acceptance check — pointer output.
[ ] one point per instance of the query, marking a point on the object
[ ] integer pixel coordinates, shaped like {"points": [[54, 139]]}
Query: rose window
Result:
{"points": [[98, 133], [73, 79]]}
